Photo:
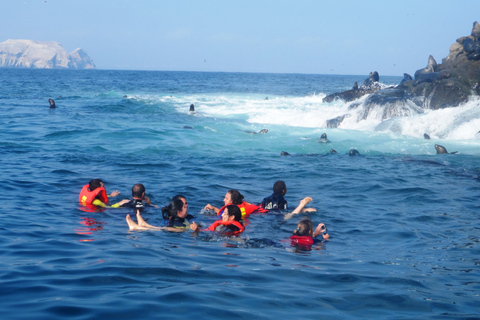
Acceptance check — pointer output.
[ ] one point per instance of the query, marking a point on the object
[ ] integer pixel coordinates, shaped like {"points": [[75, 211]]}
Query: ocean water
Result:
{"points": [[404, 222]]}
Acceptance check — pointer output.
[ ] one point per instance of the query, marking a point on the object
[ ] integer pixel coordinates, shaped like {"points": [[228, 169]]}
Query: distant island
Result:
{"points": [[42, 55]]}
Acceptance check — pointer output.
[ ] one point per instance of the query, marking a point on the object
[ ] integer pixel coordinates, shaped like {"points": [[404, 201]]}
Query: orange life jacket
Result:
{"points": [[86, 196], [245, 208], [227, 223]]}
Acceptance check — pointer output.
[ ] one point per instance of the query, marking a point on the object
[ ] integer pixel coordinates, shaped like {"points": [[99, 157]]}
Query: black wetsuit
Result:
{"points": [[275, 202]]}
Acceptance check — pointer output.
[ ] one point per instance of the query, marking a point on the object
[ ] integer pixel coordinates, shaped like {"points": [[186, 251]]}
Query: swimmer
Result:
{"points": [[229, 225], [139, 200], [94, 193], [304, 234], [235, 197]]}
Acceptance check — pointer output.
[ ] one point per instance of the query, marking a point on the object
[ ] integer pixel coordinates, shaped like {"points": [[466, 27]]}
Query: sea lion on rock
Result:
{"points": [[355, 86], [353, 152], [441, 149], [476, 31], [406, 77], [431, 67], [426, 136], [323, 138], [52, 103]]}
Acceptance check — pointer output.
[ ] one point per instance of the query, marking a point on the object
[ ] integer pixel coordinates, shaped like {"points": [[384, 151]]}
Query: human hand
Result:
{"points": [[114, 193], [194, 226]]}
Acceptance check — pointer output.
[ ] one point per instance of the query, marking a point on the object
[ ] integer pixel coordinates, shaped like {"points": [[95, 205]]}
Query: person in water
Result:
{"points": [[94, 193], [175, 212], [139, 200], [230, 223], [235, 197], [304, 234], [276, 201]]}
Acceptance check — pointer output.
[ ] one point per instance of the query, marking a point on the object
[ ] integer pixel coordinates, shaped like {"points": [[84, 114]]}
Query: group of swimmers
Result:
{"points": [[93, 196]]}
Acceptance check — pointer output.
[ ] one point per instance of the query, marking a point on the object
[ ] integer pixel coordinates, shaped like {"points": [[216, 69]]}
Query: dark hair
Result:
{"points": [[138, 190], [179, 197], [303, 228], [172, 209], [236, 196], [94, 184], [279, 187], [234, 210]]}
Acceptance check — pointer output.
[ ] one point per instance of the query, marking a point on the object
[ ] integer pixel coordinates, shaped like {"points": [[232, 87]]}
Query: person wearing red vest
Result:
{"points": [[304, 236], [94, 193], [230, 223], [235, 197]]}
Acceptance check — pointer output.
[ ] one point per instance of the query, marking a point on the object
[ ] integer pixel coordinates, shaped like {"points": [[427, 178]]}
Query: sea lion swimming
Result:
{"points": [[353, 152], [253, 132], [441, 149], [284, 153], [426, 136], [192, 108], [333, 151], [52, 103], [323, 138]]}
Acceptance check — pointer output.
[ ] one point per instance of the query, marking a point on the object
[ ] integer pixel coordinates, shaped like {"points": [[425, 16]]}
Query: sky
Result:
{"points": [[266, 36]]}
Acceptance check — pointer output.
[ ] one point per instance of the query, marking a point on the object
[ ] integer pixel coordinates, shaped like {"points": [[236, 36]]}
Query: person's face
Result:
{"points": [[102, 185], [228, 198], [185, 203], [183, 212], [225, 215]]}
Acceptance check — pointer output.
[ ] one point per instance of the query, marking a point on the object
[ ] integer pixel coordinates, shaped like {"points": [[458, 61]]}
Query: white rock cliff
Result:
{"points": [[42, 55]]}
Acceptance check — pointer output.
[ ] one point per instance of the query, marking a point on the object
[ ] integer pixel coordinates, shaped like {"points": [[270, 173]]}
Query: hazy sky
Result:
{"points": [[280, 36]]}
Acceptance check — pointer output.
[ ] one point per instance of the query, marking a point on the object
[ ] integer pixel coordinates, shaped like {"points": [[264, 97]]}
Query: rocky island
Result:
{"points": [[434, 87], [42, 55]]}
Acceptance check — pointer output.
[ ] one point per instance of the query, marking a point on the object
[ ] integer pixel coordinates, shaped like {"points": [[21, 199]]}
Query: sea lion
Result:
{"points": [[52, 103], [406, 77], [192, 108], [284, 153], [253, 132], [353, 152], [323, 138], [431, 67], [187, 127], [476, 30], [355, 86], [333, 151], [441, 149], [426, 136]]}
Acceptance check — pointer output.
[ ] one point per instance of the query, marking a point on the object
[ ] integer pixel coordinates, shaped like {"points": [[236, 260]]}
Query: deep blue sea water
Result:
{"points": [[404, 222]]}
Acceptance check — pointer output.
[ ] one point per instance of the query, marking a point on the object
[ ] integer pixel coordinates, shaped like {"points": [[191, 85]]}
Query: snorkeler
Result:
{"points": [[139, 200]]}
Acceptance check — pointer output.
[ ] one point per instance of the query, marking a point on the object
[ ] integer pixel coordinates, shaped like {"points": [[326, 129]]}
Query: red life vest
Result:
{"points": [[227, 223], [86, 196], [301, 240], [245, 208]]}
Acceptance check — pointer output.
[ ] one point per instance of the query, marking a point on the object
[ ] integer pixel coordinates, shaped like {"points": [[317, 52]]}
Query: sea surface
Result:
{"points": [[404, 221]]}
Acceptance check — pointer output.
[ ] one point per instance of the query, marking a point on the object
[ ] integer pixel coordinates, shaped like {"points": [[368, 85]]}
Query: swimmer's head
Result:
{"points": [[236, 196], [138, 191], [304, 228], [232, 212], [174, 207], [280, 187], [94, 184]]}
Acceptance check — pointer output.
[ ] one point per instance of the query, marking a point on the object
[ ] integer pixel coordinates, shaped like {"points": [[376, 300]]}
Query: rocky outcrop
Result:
{"points": [[42, 55], [434, 87]]}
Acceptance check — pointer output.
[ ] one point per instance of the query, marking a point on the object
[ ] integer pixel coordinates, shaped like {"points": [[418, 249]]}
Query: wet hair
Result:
{"points": [[303, 228], [179, 197], [279, 187], [170, 211], [237, 197], [94, 184], [234, 210], [138, 190]]}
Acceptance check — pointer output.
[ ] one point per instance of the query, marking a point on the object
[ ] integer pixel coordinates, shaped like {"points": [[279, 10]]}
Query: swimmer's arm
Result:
{"points": [[149, 202], [300, 208], [99, 203], [210, 207], [119, 204]]}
